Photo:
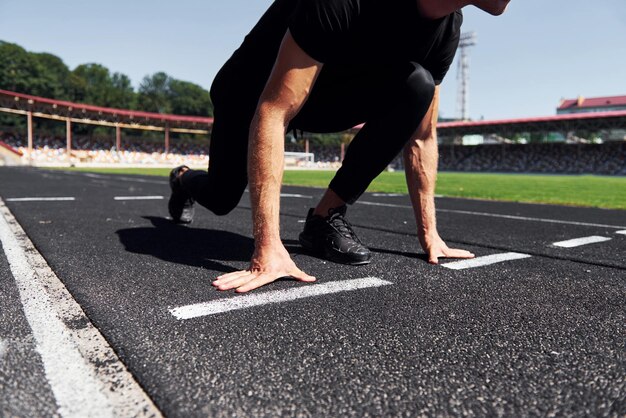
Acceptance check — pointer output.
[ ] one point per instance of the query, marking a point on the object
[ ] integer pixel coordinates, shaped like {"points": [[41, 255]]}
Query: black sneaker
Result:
{"points": [[181, 203], [333, 238]]}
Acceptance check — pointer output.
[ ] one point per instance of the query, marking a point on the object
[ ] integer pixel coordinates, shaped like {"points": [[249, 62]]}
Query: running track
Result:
{"points": [[118, 317]]}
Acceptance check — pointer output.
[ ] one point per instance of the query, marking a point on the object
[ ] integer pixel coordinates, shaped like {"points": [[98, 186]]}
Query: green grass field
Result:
{"points": [[592, 191]]}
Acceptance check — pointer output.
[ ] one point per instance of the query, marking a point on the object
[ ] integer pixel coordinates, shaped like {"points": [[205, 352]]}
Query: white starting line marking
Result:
{"points": [[484, 261], [497, 215], [85, 375], [387, 194], [299, 196], [3, 348], [139, 198], [41, 199], [571, 243], [113, 177], [398, 195], [277, 296], [621, 232]]}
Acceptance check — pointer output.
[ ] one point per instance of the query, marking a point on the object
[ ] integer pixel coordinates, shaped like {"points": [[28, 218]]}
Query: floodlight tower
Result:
{"points": [[462, 76]]}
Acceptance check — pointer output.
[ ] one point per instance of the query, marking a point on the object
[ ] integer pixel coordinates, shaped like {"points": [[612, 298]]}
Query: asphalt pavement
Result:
{"points": [[540, 334]]}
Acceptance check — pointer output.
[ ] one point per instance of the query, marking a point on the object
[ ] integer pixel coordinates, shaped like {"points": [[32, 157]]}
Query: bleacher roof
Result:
{"points": [[84, 112]]}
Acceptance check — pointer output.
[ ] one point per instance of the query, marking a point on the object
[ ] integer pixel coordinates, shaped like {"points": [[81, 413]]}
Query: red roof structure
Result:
{"points": [[592, 121], [592, 103], [121, 118], [83, 113], [69, 112]]}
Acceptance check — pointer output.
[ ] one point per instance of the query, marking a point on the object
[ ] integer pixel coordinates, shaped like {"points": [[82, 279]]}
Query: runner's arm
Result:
{"points": [[420, 164], [286, 91]]}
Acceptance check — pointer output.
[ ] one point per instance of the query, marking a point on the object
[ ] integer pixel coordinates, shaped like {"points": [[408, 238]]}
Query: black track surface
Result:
{"points": [[539, 336]]}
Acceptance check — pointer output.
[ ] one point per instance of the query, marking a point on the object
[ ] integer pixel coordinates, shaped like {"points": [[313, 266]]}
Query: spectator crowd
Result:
{"points": [[608, 158], [50, 149]]}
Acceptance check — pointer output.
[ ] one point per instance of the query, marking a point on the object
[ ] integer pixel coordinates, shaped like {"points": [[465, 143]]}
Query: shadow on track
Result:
{"points": [[419, 256], [195, 247], [199, 247]]}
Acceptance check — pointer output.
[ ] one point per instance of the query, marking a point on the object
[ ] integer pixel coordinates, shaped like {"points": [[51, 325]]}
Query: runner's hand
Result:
{"points": [[435, 248], [267, 265]]}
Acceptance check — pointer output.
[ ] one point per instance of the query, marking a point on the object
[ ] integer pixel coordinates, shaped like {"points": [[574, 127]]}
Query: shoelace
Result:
{"points": [[342, 225]]}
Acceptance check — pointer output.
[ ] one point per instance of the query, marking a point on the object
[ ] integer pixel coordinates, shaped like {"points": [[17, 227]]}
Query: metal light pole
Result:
{"points": [[467, 40]]}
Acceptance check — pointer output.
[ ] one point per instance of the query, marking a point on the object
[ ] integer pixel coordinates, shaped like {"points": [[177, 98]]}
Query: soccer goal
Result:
{"points": [[299, 159]]}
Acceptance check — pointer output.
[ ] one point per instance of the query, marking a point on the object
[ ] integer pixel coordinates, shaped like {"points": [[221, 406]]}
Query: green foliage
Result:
{"points": [[94, 84], [189, 99], [55, 76], [43, 74], [163, 94], [153, 94], [21, 71], [122, 94]]}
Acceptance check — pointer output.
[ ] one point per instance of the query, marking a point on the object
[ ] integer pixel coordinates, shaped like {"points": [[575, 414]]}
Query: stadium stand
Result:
{"points": [[608, 158], [51, 150], [554, 158]]}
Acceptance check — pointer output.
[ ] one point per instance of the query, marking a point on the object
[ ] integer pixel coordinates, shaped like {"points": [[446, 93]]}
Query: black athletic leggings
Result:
{"points": [[391, 103]]}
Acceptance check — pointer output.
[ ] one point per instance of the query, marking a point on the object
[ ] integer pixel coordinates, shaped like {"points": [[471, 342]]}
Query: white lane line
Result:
{"points": [[621, 232], [139, 198], [86, 376], [113, 177], [387, 194], [41, 199], [496, 215], [4, 346], [387, 205], [397, 195], [277, 296], [299, 196], [577, 242], [484, 261]]}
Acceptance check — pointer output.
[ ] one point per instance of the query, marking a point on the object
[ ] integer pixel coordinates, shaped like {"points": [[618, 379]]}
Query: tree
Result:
{"points": [[93, 85], [189, 99], [124, 95], [163, 94], [154, 93], [21, 72], [55, 75], [43, 74]]}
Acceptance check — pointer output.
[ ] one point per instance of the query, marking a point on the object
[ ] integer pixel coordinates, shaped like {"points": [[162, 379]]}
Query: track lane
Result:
{"points": [[518, 336]]}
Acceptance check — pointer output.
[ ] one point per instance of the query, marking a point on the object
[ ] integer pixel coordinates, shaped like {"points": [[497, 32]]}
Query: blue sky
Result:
{"points": [[526, 60]]}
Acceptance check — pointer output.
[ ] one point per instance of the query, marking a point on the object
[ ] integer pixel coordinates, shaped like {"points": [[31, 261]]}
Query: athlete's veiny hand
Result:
{"points": [[268, 264], [436, 248]]}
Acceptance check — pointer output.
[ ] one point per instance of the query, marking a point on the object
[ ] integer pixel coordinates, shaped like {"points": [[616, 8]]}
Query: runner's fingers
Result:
{"points": [[298, 274], [258, 281], [230, 276], [433, 257], [234, 277], [456, 253], [237, 281]]}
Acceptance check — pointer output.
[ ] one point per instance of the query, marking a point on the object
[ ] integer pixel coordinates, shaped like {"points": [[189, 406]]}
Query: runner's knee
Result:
{"points": [[414, 102], [420, 86], [221, 202]]}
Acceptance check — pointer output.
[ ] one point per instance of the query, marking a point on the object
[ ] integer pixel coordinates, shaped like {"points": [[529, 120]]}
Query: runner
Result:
{"points": [[327, 66]]}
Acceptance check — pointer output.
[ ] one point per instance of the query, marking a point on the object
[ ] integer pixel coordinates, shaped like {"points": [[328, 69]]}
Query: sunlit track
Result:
{"points": [[145, 283]]}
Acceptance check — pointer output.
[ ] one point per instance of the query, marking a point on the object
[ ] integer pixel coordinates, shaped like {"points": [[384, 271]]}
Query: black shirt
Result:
{"points": [[355, 34]]}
